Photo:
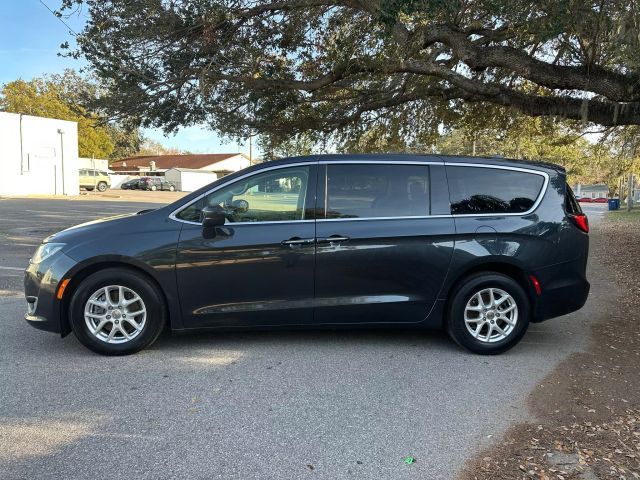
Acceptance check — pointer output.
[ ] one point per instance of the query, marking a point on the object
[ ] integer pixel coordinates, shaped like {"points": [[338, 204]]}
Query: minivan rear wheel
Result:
{"points": [[102, 187], [488, 314], [117, 311]]}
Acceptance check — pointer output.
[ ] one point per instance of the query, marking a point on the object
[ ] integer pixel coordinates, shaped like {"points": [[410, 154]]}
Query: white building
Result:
{"points": [[189, 179], [219, 163], [38, 155], [600, 190]]}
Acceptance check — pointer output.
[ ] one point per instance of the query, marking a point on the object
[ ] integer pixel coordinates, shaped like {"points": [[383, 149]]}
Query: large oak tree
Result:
{"points": [[291, 66]]}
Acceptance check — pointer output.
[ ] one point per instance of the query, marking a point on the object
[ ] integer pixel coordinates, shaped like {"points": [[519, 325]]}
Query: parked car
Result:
{"points": [[478, 246], [585, 200], [94, 179], [156, 183], [132, 184], [600, 200]]}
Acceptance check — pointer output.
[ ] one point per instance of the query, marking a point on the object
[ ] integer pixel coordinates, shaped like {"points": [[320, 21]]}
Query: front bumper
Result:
{"points": [[41, 282]]}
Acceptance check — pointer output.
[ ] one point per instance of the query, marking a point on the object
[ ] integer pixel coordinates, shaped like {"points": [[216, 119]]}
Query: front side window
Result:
{"points": [[373, 190], [477, 190], [272, 196]]}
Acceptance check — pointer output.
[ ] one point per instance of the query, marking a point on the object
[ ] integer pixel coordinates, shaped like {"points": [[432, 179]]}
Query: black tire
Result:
{"points": [[171, 188], [102, 187], [153, 188], [153, 302], [456, 325], [89, 189]]}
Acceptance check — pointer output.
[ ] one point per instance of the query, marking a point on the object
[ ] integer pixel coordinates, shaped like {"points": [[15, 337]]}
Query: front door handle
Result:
{"points": [[333, 239], [297, 241]]}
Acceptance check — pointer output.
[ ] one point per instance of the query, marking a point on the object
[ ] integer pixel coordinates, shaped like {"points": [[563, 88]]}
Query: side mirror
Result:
{"points": [[213, 216]]}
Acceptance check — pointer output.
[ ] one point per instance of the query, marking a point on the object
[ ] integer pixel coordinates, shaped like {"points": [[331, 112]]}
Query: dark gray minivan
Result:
{"points": [[478, 246]]}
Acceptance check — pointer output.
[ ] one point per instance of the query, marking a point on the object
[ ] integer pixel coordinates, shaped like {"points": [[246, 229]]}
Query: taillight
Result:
{"points": [[580, 221]]}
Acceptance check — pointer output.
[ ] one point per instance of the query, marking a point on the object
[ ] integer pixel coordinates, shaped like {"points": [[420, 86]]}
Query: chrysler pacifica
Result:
{"points": [[478, 246]]}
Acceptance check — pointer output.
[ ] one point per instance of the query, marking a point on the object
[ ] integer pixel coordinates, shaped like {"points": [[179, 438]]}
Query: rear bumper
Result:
{"points": [[565, 289]]}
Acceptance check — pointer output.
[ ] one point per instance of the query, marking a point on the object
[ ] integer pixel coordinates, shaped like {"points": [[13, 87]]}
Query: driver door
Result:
{"points": [[258, 268]]}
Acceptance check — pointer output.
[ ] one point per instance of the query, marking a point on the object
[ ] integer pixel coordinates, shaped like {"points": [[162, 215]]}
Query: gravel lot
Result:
{"points": [[298, 404]]}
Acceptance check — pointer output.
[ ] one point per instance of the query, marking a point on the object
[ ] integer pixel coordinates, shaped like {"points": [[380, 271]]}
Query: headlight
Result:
{"points": [[44, 251]]}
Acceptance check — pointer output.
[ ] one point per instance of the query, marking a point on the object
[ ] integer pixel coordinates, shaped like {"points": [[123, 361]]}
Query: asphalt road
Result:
{"points": [[286, 405]]}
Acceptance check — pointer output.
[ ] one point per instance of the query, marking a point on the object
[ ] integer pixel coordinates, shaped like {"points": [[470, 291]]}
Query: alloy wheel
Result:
{"points": [[491, 315], [115, 314]]}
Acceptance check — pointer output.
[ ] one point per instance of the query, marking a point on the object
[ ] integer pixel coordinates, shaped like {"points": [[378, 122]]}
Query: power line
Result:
{"points": [[59, 18]]}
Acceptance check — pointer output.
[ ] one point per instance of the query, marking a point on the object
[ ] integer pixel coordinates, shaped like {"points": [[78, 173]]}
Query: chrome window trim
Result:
{"points": [[233, 224], [541, 195], [380, 162], [356, 219], [173, 214]]}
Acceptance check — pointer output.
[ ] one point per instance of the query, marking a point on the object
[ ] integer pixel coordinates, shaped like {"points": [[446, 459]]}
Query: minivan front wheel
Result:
{"points": [[102, 187], [488, 314], [116, 312]]}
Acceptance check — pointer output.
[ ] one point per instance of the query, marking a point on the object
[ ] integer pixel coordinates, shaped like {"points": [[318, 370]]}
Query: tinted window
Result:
{"points": [[492, 190], [571, 205], [369, 191], [277, 195]]}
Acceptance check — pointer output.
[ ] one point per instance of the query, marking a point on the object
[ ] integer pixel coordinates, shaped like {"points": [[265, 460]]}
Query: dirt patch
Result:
{"points": [[588, 408]]}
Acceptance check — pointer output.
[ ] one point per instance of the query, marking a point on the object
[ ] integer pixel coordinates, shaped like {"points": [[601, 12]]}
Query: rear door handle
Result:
{"points": [[333, 239], [297, 241]]}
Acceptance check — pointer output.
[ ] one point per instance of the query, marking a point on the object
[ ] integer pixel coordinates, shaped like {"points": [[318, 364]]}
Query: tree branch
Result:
{"points": [[592, 78]]}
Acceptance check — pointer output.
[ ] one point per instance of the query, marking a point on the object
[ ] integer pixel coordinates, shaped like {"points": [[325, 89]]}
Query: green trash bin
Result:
{"points": [[614, 204]]}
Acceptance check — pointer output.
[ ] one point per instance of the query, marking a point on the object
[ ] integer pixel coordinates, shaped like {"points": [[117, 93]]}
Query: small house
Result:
{"points": [[592, 191]]}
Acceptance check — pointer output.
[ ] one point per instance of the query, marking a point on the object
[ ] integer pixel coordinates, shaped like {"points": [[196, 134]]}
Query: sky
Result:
{"points": [[30, 37]]}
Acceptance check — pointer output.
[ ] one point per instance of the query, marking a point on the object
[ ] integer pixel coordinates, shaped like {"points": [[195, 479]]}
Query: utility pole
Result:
{"points": [[61, 132], [630, 192], [620, 187]]}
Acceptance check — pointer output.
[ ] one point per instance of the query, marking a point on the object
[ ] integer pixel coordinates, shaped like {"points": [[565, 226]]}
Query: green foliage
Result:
{"points": [[152, 147], [343, 69], [127, 142], [518, 78], [302, 144], [520, 137], [67, 97]]}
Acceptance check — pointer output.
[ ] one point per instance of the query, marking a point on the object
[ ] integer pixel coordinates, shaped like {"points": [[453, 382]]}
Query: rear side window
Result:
{"points": [[571, 205], [477, 190], [375, 190]]}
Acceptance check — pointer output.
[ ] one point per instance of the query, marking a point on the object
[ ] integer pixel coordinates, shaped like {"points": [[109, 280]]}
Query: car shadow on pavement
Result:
{"points": [[306, 338]]}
